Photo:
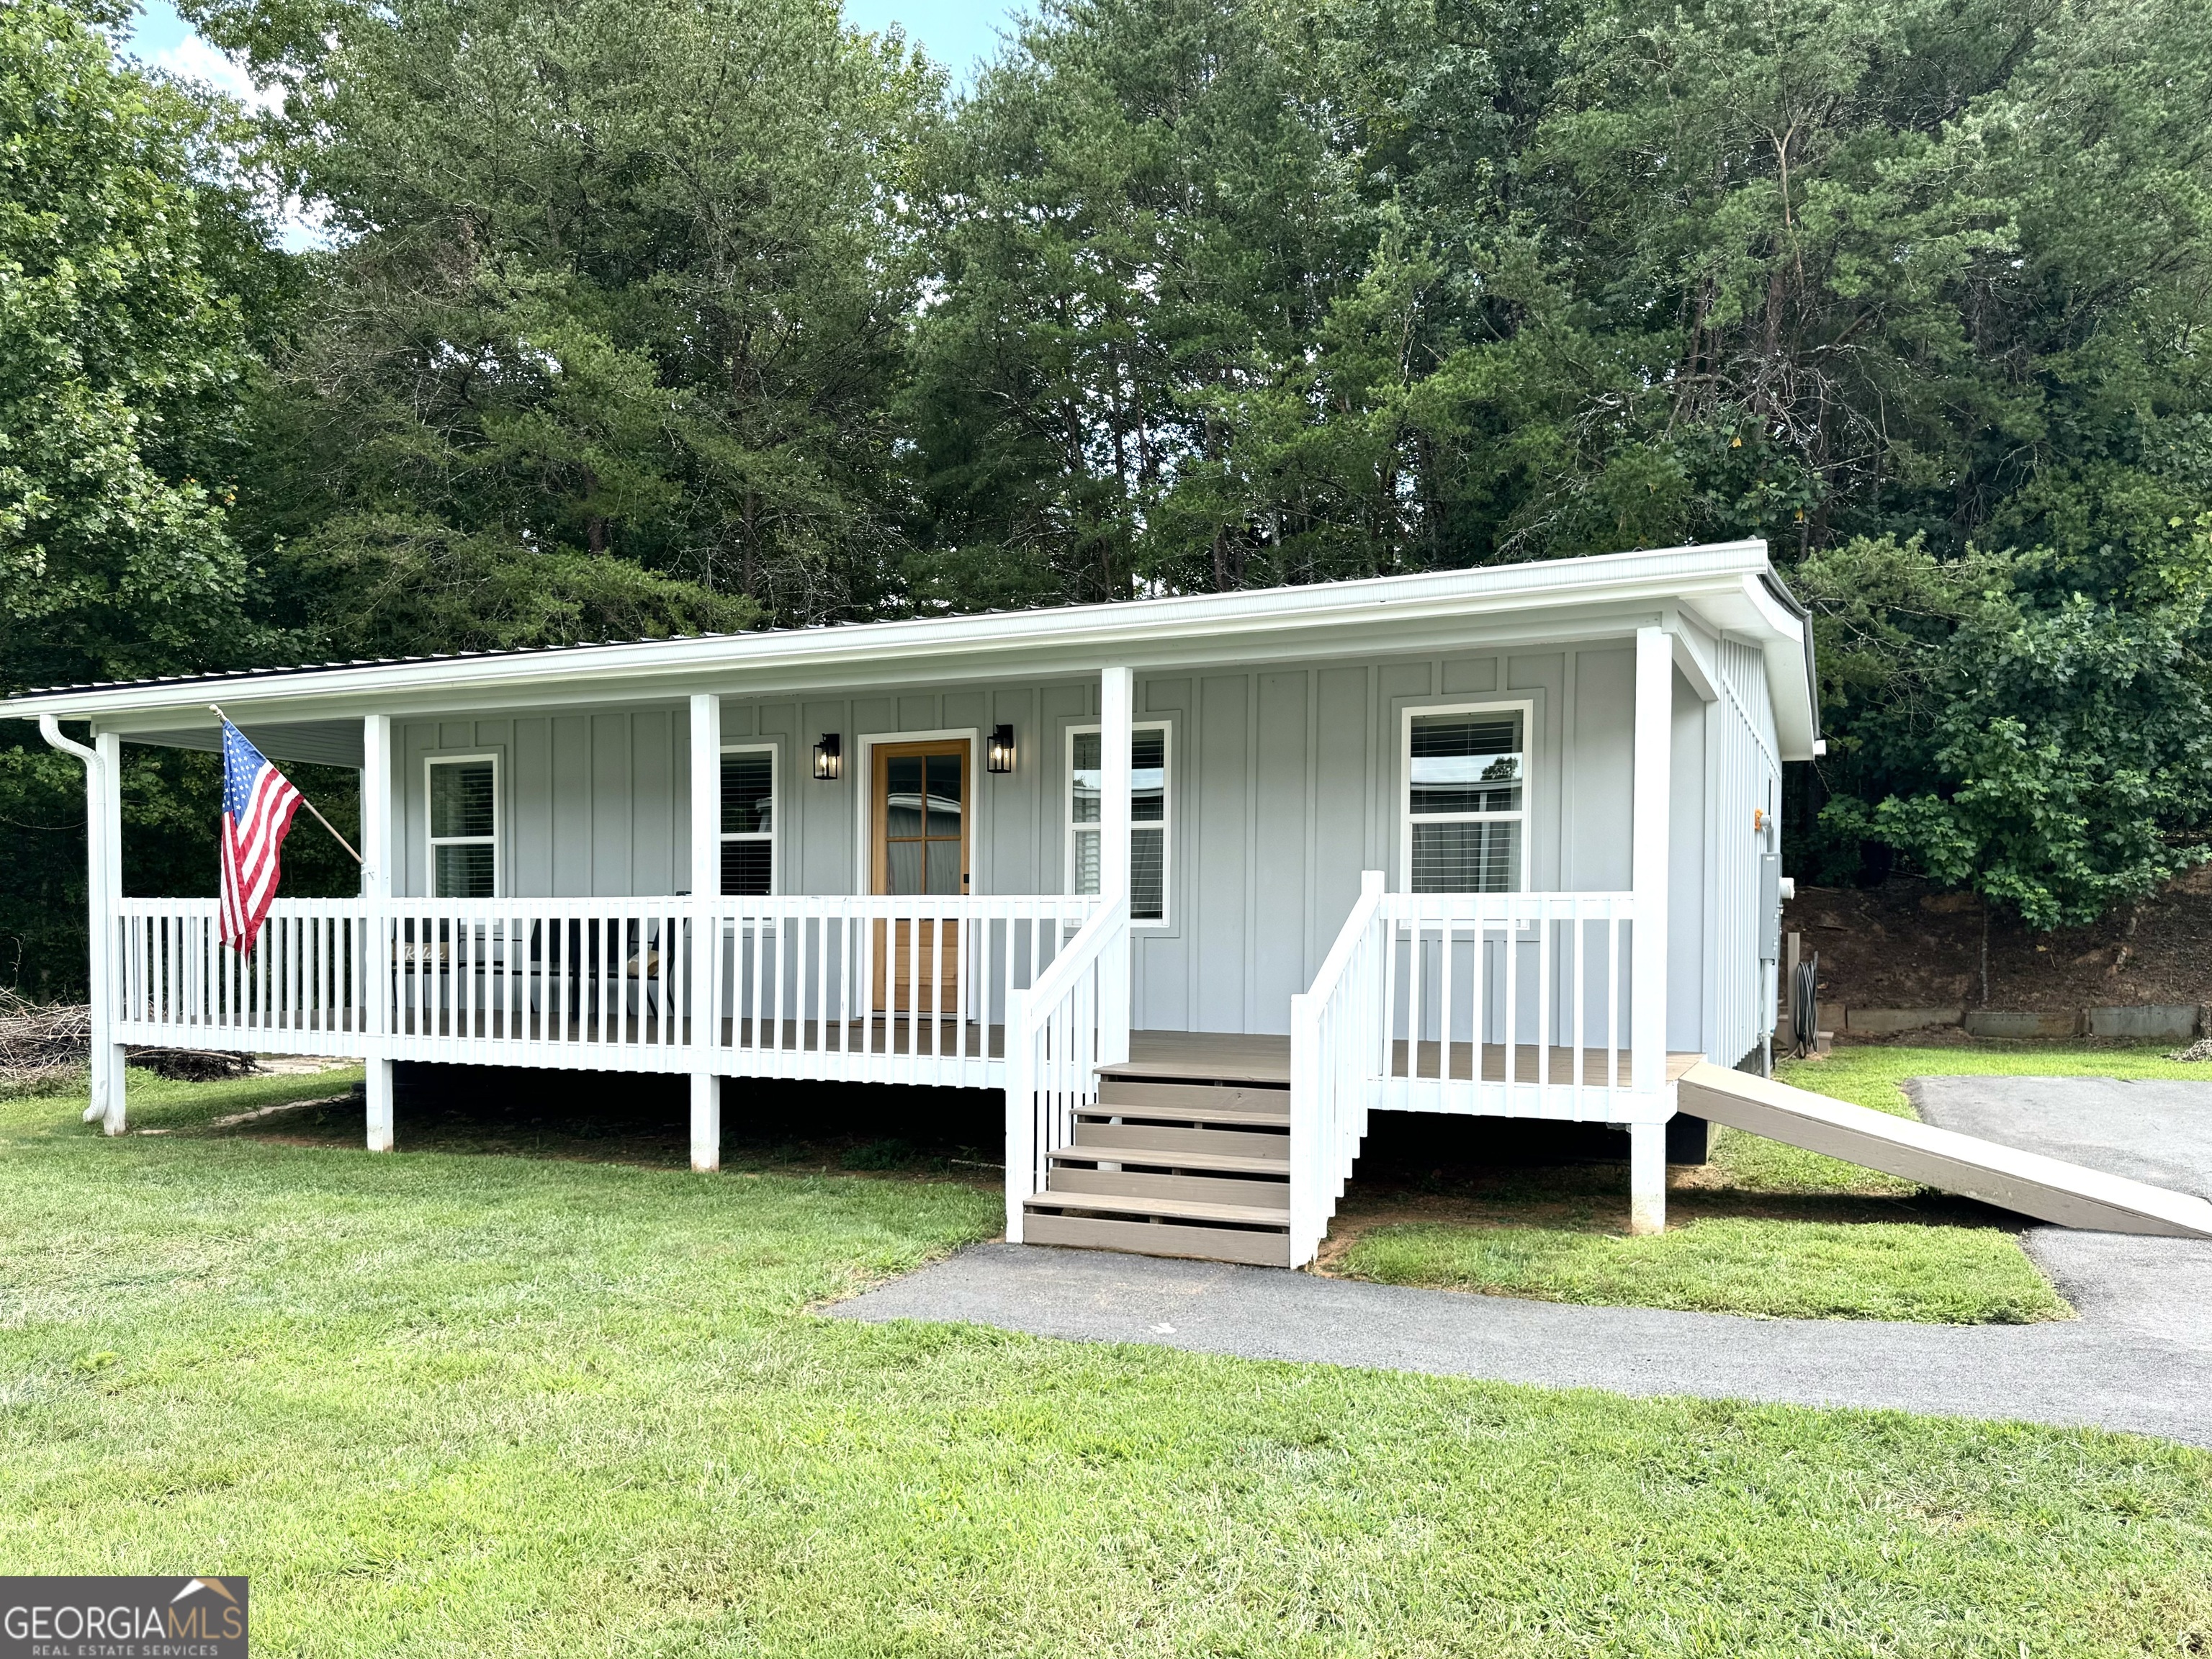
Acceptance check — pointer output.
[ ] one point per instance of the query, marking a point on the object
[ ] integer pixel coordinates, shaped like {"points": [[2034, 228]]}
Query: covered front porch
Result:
{"points": [[1442, 844]]}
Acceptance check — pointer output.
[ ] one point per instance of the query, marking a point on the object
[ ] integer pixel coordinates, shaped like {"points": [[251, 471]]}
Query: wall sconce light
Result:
{"points": [[1000, 755], [828, 758]]}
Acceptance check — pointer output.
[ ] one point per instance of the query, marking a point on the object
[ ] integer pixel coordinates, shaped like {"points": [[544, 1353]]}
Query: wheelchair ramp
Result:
{"points": [[2044, 1187]]}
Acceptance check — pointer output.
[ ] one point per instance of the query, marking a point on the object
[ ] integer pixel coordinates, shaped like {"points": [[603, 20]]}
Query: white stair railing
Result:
{"points": [[1072, 1020], [1338, 1032]]}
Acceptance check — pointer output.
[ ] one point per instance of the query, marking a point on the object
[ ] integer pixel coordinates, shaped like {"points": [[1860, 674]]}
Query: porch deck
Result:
{"points": [[1226, 1057]]}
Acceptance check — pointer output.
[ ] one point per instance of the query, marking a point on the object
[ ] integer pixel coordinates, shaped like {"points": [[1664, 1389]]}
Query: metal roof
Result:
{"points": [[1731, 585]]}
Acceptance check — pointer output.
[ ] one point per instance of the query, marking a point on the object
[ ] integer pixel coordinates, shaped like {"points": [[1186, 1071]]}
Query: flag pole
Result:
{"points": [[304, 801]]}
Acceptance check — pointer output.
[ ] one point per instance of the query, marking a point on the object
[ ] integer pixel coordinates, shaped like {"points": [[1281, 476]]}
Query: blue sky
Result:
{"points": [[954, 34]]}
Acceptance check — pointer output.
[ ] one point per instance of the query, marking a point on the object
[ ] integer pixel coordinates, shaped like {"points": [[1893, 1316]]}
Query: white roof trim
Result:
{"points": [[1722, 581]]}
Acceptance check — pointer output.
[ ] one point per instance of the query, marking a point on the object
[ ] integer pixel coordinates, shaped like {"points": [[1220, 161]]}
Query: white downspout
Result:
{"points": [[104, 871]]}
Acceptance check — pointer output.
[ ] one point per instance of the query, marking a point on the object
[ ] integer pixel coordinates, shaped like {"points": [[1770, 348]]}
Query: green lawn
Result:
{"points": [[1764, 1228], [1783, 1269], [490, 1405]]}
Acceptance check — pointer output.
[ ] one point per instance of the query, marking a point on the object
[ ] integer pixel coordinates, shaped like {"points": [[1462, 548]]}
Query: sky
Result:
{"points": [[957, 34]]}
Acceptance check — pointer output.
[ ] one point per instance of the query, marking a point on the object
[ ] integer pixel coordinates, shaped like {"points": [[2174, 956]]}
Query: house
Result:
{"points": [[1198, 882]]}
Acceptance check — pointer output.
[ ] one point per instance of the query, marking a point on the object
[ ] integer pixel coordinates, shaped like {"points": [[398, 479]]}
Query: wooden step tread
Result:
{"points": [[1093, 1232], [1179, 1209], [1176, 1157], [1188, 1114], [1197, 1076]]}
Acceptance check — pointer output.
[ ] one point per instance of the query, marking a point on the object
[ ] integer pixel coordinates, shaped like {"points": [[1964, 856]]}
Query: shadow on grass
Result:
{"points": [[789, 1126]]}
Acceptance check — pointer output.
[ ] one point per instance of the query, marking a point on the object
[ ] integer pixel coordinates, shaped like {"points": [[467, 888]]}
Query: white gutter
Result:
{"points": [[1078, 638]]}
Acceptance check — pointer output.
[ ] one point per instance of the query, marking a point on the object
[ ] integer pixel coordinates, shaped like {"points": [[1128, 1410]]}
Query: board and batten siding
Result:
{"points": [[590, 805], [1286, 782], [1743, 779]]}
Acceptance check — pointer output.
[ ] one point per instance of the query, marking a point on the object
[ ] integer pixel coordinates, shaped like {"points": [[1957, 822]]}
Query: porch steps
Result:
{"points": [[1178, 1165]]}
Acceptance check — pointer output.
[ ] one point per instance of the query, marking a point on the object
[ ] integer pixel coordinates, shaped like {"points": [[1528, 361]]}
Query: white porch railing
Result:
{"points": [[1073, 1019], [862, 988], [304, 990], [877, 989], [1509, 1004]]}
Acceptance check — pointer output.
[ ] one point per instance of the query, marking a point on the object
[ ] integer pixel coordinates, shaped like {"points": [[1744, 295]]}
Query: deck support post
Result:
{"points": [[103, 785], [706, 1123], [1648, 865], [1117, 709], [706, 884], [1647, 1178], [378, 850]]}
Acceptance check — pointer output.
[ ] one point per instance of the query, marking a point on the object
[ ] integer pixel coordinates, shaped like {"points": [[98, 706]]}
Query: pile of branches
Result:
{"points": [[43, 1046]]}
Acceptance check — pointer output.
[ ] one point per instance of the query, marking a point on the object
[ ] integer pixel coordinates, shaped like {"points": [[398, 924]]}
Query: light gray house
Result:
{"points": [[1198, 882]]}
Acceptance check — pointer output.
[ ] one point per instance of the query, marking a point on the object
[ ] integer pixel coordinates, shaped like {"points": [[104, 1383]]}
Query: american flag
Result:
{"points": [[258, 804]]}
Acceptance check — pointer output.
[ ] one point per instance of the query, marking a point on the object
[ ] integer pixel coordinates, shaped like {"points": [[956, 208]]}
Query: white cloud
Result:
{"points": [[193, 58]]}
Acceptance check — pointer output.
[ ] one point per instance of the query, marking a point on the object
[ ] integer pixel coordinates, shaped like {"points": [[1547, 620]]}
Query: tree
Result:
{"points": [[125, 273], [603, 344]]}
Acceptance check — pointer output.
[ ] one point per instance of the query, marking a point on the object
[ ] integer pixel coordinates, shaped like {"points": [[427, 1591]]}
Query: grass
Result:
{"points": [[440, 1404], [1727, 1264], [1763, 1229]]}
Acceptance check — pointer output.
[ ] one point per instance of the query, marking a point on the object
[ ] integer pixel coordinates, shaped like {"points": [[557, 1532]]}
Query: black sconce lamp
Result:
{"points": [[828, 758], [1000, 756]]}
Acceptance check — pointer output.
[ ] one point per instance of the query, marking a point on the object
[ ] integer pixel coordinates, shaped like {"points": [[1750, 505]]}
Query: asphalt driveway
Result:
{"points": [[2138, 1358]]}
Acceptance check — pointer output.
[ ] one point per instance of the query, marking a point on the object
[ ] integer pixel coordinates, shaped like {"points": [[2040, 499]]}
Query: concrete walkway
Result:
{"points": [[2139, 1358]]}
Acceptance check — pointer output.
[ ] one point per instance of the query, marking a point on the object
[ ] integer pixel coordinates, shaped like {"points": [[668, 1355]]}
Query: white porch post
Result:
{"points": [[104, 825], [379, 851], [1655, 717], [1117, 701], [706, 884]]}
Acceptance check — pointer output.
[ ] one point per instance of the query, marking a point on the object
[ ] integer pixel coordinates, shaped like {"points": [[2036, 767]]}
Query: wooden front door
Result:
{"points": [[920, 845]]}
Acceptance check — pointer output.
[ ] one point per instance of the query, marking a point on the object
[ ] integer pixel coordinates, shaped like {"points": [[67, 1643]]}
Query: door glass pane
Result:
{"points": [[1465, 763], [902, 866], [748, 793], [903, 800], [1148, 777], [746, 866], [944, 792], [1086, 783], [942, 868], [1148, 894], [467, 871], [1466, 857], [461, 802], [1086, 860]]}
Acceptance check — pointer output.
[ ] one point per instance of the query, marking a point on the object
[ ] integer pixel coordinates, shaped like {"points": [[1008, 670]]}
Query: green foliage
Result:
{"points": [[604, 345], [124, 274], [2009, 730]]}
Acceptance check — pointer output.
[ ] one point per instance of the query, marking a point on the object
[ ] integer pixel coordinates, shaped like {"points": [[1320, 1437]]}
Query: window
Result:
{"points": [[749, 820], [1148, 818], [464, 827], [1466, 800]]}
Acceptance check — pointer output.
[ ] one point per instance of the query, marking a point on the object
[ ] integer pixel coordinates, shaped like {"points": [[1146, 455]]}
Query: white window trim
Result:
{"points": [[775, 836], [433, 841], [1525, 706], [1069, 828]]}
